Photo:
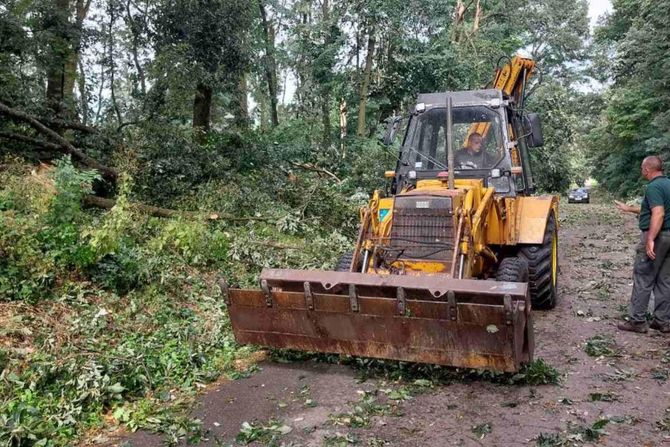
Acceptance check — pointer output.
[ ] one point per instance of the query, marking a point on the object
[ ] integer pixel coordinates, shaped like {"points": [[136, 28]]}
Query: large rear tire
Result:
{"points": [[514, 269], [543, 267]]}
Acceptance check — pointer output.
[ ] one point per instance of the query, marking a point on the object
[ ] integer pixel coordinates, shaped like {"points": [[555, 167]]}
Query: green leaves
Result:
{"points": [[601, 346], [263, 433], [635, 122]]}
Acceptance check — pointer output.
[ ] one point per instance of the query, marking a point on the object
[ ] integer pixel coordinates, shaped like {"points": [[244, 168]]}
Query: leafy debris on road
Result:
{"points": [[481, 430], [601, 346], [263, 433]]}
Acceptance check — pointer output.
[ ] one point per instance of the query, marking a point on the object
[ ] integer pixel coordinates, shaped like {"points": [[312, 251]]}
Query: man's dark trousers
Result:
{"points": [[651, 276]]}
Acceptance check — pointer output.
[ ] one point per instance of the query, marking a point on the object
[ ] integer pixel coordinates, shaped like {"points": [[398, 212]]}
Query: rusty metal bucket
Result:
{"points": [[425, 319]]}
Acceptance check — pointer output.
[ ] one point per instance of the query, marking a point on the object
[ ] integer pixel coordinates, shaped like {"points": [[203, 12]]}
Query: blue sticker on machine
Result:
{"points": [[382, 213]]}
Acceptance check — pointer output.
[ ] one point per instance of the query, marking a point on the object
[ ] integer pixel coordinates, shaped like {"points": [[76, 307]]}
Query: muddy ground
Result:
{"points": [[614, 387]]}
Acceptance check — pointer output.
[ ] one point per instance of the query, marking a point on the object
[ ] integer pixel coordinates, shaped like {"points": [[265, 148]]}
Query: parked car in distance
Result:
{"points": [[579, 195]]}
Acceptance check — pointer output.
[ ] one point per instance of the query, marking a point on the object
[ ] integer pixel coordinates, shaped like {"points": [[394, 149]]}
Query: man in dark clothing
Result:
{"points": [[472, 156], [651, 271]]}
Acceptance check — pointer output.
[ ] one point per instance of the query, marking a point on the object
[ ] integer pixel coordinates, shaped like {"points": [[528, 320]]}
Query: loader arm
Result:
{"points": [[511, 79]]}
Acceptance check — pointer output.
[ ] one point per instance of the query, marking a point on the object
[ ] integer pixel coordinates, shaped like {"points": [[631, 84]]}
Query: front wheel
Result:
{"points": [[513, 269], [543, 267], [344, 263]]}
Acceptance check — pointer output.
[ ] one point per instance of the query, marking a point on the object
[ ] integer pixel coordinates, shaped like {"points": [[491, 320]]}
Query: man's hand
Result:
{"points": [[627, 208], [621, 206], [650, 249]]}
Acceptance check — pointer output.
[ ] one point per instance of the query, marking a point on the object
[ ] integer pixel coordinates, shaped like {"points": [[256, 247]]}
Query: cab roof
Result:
{"points": [[461, 98]]}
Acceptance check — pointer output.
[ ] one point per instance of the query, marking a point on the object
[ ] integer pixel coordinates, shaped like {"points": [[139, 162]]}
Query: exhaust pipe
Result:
{"points": [[450, 144]]}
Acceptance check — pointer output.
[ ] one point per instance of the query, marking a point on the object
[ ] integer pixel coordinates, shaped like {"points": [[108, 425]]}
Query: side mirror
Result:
{"points": [[391, 130], [534, 130]]}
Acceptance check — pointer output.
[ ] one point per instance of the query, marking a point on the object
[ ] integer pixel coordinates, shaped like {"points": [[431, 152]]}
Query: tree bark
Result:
{"points": [[101, 86], [270, 64], [343, 126], [240, 103], [112, 67], [365, 83], [83, 100], [58, 22], [478, 17], [32, 141], [65, 52], [66, 146], [202, 108], [135, 44], [325, 95]]}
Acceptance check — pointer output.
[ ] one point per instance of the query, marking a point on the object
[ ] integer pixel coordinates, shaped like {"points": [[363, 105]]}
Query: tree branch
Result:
{"points": [[64, 145], [314, 168], [29, 140], [70, 125]]}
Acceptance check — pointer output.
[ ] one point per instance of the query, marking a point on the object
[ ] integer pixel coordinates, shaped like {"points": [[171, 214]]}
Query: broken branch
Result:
{"points": [[314, 168]]}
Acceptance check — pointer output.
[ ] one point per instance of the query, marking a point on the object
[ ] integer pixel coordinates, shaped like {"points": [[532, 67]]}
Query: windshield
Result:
{"points": [[477, 133]]}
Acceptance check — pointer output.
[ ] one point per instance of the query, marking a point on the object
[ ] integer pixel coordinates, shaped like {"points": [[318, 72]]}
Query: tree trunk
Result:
{"points": [[240, 104], [135, 48], [65, 50], [112, 67], [365, 83], [60, 47], [325, 118], [478, 17], [202, 108], [83, 100], [270, 65], [343, 126], [325, 95]]}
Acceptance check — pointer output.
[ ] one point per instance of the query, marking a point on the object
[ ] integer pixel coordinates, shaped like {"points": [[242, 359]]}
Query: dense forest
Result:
{"points": [[148, 146]]}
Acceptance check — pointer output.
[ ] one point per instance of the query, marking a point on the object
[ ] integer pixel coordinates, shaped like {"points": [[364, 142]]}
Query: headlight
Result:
{"points": [[501, 184]]}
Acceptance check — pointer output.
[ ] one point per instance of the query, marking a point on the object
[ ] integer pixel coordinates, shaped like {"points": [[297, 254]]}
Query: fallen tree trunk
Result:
{"points": [[101, 202], [29, 140], [64, 145], [108, 204]]}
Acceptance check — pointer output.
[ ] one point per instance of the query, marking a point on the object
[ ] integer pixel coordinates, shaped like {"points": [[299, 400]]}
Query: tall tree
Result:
{"points": [[62, 22], [636, 121], [209, 35], [269, 61], [365, 79]]}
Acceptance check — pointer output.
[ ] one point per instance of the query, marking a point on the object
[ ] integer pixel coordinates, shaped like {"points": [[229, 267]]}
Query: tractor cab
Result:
{"points": [[484, 129]]}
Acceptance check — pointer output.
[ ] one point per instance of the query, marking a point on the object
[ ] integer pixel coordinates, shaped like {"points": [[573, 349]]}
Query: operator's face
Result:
{"points": [[475, 144]]}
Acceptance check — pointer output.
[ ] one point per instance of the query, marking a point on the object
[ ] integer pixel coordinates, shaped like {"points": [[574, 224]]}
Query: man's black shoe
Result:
{"points": [[657, 325], [633, 327]]}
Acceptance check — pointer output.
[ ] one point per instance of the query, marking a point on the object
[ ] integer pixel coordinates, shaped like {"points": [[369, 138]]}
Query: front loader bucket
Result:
{"points": [[425, 319]]}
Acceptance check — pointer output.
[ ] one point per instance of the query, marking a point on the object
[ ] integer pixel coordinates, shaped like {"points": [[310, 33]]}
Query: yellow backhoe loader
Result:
{"points": [[446, 267]]}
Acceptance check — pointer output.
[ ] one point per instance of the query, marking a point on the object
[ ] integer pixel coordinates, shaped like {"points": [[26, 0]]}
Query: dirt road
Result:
{"points": [[614, 387]]}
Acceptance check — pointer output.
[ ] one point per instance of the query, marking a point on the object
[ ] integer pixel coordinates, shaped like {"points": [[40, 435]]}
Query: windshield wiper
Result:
{"points": [[427, 157]]}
